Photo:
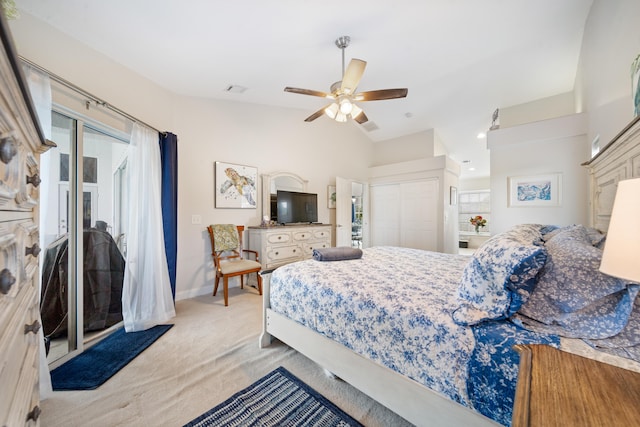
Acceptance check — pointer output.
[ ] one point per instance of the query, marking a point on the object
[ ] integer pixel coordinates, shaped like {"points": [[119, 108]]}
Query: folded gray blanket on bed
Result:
{"points": [[337, 254]]}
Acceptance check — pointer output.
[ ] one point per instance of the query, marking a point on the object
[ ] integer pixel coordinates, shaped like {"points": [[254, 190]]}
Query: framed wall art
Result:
{"points": [[453, 196], [535, 190], [331, 196], [235, 186]]}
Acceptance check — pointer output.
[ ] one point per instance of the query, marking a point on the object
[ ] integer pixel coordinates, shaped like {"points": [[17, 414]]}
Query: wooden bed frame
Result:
{"points": [[618, 160]]}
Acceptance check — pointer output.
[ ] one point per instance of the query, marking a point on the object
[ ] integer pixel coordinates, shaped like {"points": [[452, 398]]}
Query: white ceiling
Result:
{"points": [[460, 59]]}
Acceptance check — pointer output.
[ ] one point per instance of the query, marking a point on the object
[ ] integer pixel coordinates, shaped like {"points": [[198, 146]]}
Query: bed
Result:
{"points": [[431, 335]]}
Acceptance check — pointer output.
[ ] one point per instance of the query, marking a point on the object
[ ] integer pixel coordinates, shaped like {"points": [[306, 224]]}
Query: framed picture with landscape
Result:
{"points": [[235, 186], [535, 190]]}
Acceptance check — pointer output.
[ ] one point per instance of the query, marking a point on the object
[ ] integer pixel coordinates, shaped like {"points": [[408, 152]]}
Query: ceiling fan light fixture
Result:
{"points": [[355, 111], [331, 110], [345, 105], [343, 92]]}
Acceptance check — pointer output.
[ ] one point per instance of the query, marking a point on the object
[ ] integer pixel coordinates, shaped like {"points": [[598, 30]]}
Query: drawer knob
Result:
{"points": [[34, 414], [294, 251], [34, 179], [33, 250], [6, 281], [277, 253], [279, 237], [8, 149], [33, 328]]}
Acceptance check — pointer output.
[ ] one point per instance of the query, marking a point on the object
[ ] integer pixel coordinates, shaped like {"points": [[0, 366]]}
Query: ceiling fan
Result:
{"points": [[343, 92]]}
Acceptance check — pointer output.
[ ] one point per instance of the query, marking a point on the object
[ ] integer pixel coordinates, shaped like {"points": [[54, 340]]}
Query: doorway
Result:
{"points": [[352, 213], [77, 220]]}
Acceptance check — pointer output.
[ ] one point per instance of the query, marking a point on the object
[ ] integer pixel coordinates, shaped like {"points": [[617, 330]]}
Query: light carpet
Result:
{"points": [[210, 353]]}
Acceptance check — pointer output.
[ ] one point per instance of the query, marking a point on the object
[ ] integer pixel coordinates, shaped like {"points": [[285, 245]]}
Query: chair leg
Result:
{"points": [[259, 283], [226, 290], [242, 281], [215, 288]]}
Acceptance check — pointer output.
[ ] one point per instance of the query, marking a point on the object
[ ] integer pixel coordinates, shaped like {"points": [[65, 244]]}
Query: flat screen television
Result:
{"points": [[295, 207]]}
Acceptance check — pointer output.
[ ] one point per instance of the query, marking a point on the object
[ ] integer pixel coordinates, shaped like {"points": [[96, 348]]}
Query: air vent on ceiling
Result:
{"points": [[370, 126], [235, 89]]}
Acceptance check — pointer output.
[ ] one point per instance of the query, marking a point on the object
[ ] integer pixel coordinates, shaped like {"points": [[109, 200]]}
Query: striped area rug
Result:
{"points": [[277, 399]]}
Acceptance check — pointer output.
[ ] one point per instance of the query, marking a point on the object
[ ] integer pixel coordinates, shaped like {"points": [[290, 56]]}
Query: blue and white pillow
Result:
{"points": [[572, 297], [501, 275]]}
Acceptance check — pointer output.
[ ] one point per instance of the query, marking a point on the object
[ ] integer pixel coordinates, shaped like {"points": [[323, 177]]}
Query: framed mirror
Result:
{"points": [[273, 182]]}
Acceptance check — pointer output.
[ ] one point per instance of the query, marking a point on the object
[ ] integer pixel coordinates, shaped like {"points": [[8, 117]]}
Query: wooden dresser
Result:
{"points": [[21, 142], [285, 244], [556, 388]]}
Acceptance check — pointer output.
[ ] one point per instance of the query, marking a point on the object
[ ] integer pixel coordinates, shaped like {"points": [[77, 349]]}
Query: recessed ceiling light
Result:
{"points": [[482, 135], [472, 169]]}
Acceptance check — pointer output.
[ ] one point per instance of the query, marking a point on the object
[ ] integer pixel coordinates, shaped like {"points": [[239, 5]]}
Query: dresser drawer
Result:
{"points": [[322, 234], [310, 246], [25, 406], [283, 237], [14, 335], [301, 236], [281, 253]]}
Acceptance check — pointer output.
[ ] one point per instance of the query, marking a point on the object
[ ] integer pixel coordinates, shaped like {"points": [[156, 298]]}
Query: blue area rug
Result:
{"points": [[277, 399], [95, 366]]}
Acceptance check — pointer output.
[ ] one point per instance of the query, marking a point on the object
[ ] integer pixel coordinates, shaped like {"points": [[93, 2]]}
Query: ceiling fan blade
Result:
{"points": [[361, 118], [316, 114], [352, 75], [377, 95], [308, 92]]}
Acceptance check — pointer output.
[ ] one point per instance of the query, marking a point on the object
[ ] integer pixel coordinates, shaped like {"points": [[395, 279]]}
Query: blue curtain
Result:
{"points": [[169, 160]]}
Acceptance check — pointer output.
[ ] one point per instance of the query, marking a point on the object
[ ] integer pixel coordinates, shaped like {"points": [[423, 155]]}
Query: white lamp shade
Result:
{"points": [[356, 111], [621, 257], [331, 110]]}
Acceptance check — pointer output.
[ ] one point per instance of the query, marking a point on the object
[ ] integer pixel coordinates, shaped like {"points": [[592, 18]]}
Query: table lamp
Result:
{"points": [[621, 257]]}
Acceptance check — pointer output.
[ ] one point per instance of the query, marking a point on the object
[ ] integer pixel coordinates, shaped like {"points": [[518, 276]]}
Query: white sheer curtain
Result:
{"points": [[40, 88], [146, 291]]}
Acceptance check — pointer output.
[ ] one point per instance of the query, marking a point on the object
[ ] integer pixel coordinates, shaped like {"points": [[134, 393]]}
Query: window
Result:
{"points": [[472, 203]]}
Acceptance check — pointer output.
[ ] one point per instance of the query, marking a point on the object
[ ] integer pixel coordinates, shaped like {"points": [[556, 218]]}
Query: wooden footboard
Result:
{"points": [[409, 399]]}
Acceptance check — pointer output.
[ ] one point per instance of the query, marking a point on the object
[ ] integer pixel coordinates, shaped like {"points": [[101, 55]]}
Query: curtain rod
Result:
{"points": [[83, 92]]}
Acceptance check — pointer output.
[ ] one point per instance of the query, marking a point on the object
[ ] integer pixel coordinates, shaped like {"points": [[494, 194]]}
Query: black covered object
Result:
{"points": [[103, 276]]}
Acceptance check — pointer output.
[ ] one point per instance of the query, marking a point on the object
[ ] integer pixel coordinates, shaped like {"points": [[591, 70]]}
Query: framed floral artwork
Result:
{"points": [[331, 196], [535, 190], [235, 186]]}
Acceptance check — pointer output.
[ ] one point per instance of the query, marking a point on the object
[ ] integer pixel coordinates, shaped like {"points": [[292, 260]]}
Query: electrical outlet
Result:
{"points": [[196, 219]]}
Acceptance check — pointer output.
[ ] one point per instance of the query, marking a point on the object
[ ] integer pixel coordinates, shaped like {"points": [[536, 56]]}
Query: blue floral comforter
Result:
{"points": [[394, 306]]}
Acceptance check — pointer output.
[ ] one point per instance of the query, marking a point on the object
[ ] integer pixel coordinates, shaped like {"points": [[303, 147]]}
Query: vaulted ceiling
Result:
{"points": [[460, 59]]}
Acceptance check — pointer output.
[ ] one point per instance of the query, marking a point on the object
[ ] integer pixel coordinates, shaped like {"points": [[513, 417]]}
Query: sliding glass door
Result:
{"points": [[81, 225]]}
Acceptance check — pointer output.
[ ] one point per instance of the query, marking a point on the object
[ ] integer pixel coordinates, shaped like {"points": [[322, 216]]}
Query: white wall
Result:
{"points": [[541, 109], [551, 146], [270, 139], [420, 145], [610, 43]]}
